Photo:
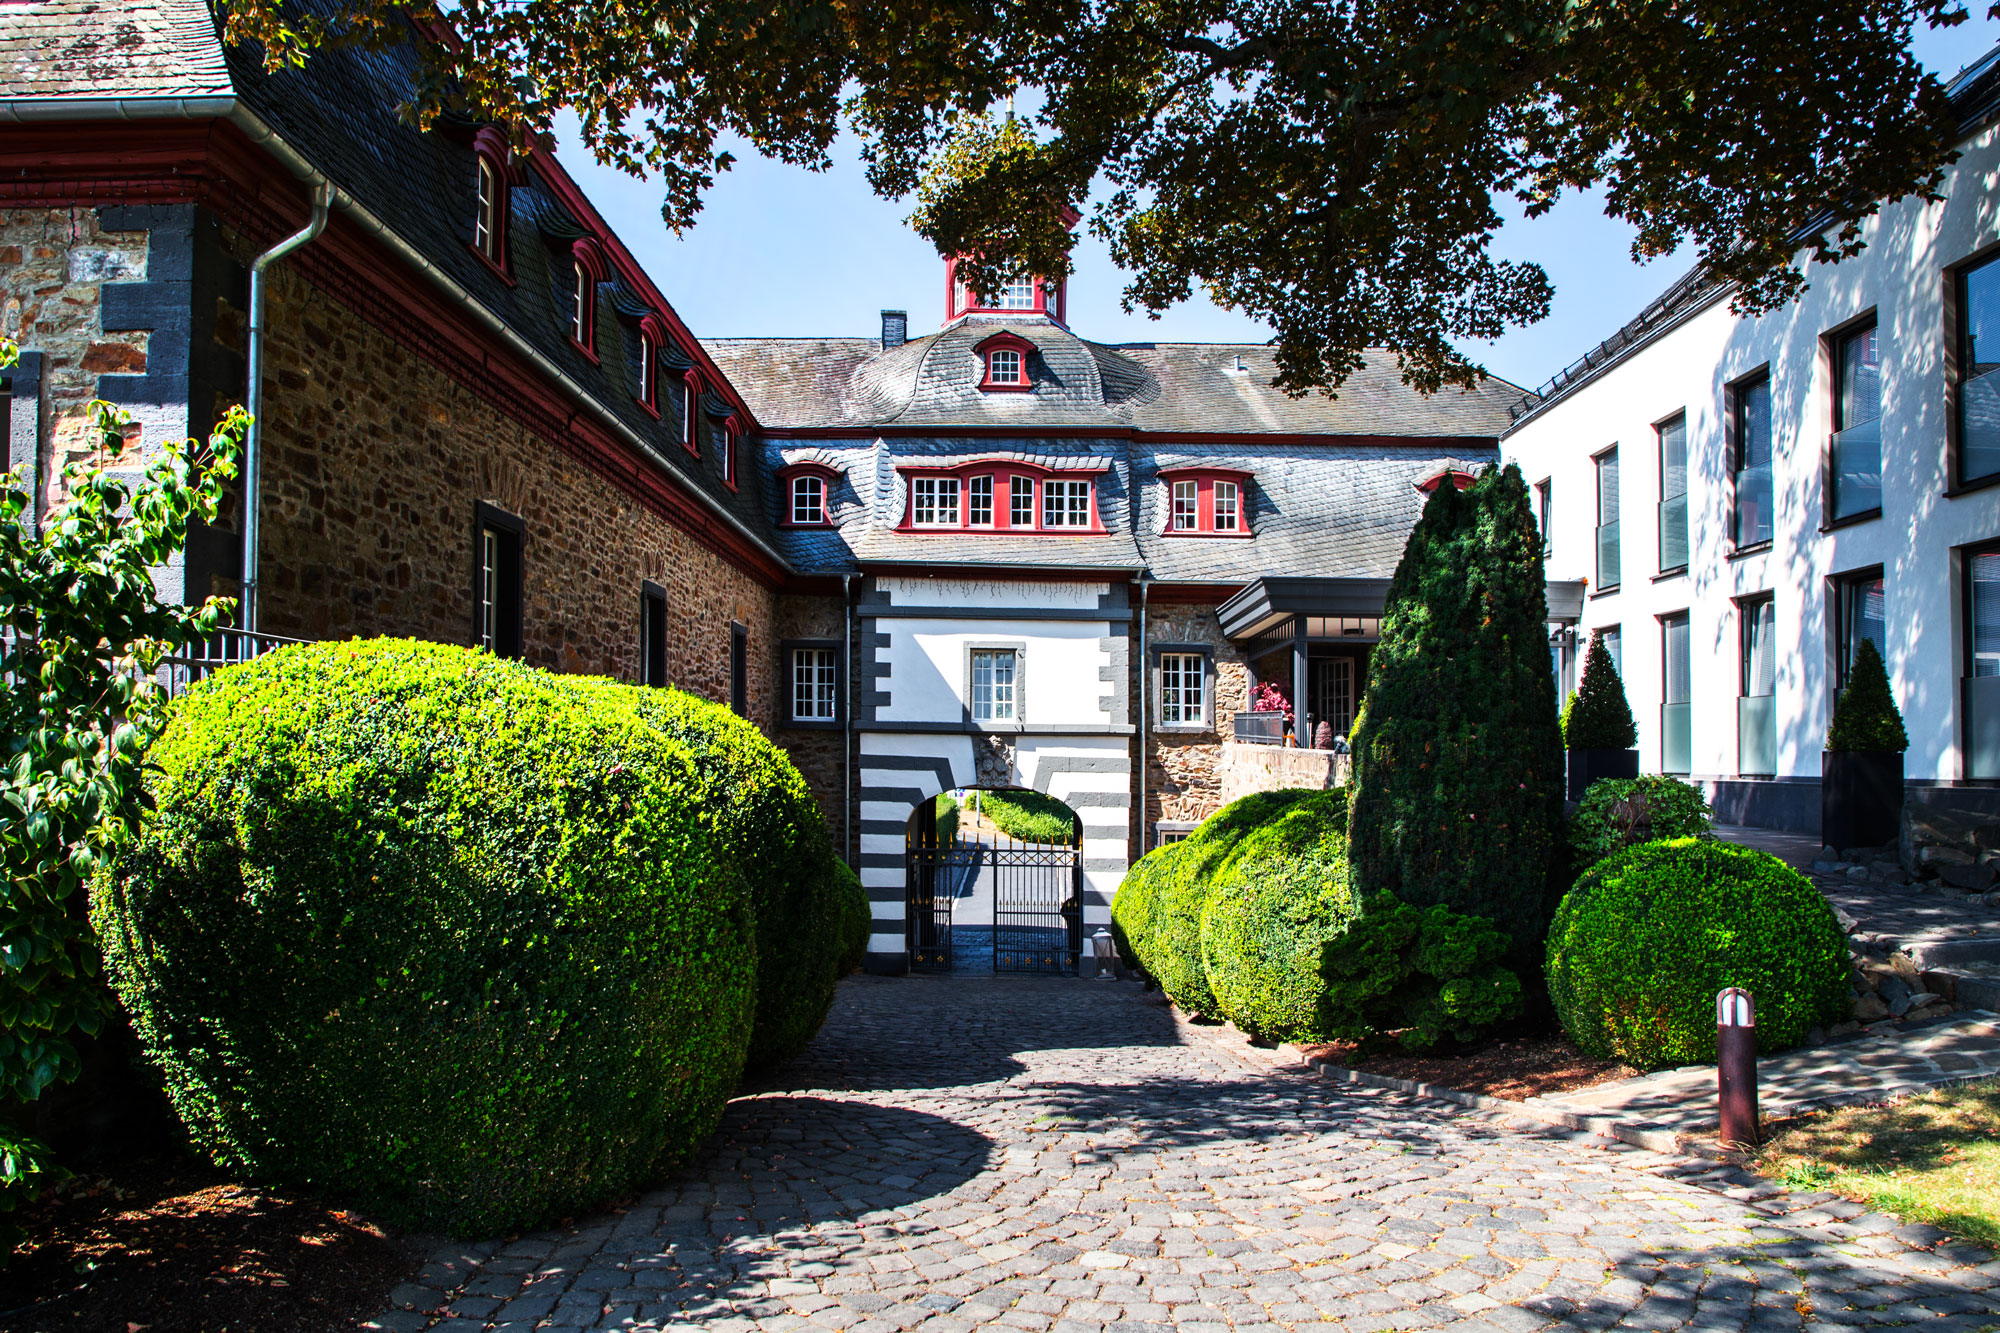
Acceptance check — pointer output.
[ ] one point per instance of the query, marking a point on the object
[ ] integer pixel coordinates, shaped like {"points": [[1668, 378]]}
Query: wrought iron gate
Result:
{"points": [[935, 871], [1037, 894]]}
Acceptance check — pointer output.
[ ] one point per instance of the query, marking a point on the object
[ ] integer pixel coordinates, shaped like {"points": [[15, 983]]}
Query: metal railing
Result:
{"points": [[1260, 728], [225, 647]]}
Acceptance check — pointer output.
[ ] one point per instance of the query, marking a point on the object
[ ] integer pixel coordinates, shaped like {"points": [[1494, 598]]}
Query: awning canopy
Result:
{"points": [[1274, 600]]}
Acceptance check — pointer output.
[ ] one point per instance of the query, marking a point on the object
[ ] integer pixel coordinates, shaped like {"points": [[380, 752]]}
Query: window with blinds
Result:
{"points": [[1673, 494], [1756, 709], [1607, 519], [1854, 461], [1750, 412], [1677, 695]]}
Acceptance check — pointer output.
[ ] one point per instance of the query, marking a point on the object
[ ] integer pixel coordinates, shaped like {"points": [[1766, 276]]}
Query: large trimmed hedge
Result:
{"points": [[427, 928], [772, 830], [1649, 935]]}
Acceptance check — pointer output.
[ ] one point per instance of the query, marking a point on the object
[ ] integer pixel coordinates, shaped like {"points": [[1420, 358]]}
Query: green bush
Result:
{"points": [[1132, 904], [1458, 767], [772, 830], [1623, 812], [427, 928], [1029, 816], [1425, 974], [1274, 904], [1601, 719], [1865, 715], [857, 918], [1642, 944]]}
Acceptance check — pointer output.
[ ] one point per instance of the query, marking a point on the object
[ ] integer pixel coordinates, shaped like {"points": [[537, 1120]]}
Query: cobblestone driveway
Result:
{"points": [[1067, 1157]]}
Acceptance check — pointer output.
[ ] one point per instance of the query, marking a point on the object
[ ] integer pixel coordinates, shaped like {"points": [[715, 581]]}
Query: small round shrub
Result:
{"points": [[1623, 812], [429, 929], [1277, 900], [857, 918], [771, 828], [1132, 904], [1649, 935]]}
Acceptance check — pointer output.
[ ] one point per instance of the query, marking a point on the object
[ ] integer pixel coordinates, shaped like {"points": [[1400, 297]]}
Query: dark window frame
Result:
{"points": [[792, 721], [1666, 620], [1746, 609], [1735, 393], [1660, 456], [1597, 462], [1954, 366], [739, 668], [1837, 586], [1157, 654], [1832, 342], [1545, 508], [510, 570], [653, 636]]}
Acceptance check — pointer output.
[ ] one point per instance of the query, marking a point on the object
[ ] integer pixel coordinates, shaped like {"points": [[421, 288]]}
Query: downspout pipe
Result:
{"points": [[1145, 711], [847, 720], [253, 442]]}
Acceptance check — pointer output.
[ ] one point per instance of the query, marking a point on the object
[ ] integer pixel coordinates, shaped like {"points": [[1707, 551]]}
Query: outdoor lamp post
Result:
{"points": [[1736, 1064], [1104, 956]]}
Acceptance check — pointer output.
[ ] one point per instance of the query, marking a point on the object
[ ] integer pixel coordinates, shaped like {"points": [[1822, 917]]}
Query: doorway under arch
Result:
{"points": [[994, 882]]}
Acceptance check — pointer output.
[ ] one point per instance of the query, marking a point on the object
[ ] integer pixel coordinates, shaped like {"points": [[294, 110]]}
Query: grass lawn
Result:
{"points": [[1930, 1158], [1029, 816], [947, 819]]}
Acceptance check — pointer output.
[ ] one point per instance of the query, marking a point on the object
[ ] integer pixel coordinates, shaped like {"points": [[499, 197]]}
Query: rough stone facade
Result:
{"points": [[1183, 768], [817, 751]]}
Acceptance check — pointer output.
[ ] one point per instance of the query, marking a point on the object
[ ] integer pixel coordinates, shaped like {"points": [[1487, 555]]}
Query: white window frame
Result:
{"points": [[725, 445], [1012, 363], [1183, 696], [937, 496], [815, 684], [815, 511], [585, 293], [1021, 502], [1065, 503], [1228, 506], [979, 501], [997, 698], [1018, 294], [489, 589], [485, 223], [1187, 506], [649, 358]]}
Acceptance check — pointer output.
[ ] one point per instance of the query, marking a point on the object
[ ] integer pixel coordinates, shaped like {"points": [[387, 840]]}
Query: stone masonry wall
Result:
{"points": [[1183, 769], [373, 462], [815, 750]]}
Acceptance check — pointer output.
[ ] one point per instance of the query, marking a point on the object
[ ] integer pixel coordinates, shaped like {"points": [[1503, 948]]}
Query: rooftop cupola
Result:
{"points": [[1018, 296]]}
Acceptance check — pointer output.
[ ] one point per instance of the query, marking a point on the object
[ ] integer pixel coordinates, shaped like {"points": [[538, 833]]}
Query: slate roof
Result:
{"points": [[110, 48], [1193, 388]]}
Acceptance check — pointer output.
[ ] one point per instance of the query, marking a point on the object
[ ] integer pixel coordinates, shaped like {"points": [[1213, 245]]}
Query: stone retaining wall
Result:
{"points": [[1253, 768]]}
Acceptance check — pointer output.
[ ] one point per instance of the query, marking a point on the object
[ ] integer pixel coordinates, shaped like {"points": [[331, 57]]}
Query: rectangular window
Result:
{"points": [[1003, 366], [934, 502], [649, 357], [1226, 506], [979, 502], [1021, 503], [484, 234], [815, 680], [1614, 644], [1186, 495], [1065, 504], [1181, 689], [1978, 382], [739, 669], [1756, 708], [1018, 294], [1982, 667], [1854, 461], [808, 499], [652, 634], [1677, 695], [1861, 612], [496, 580], [676, 411], [1673, 493], [1562, 660], [691, 416], [1544, 511], [1607, 519], [1750, 416], [725, 450], [580, 301], [993, 684]]}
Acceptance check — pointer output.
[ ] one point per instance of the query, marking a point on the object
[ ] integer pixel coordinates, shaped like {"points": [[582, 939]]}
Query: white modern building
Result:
{"points": [[1748, 498]]}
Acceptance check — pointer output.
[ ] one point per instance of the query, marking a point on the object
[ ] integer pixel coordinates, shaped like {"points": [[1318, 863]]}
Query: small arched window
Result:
{"points": [[1003, 366], [649, 369], [808, 499], [491, 153], [585, 298], [1003, 363], [691, 413], [486, 226]]}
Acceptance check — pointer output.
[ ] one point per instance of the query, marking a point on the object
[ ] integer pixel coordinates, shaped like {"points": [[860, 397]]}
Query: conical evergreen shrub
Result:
{"points": [[1865, 715], [1601, 719], [1458, 766]]}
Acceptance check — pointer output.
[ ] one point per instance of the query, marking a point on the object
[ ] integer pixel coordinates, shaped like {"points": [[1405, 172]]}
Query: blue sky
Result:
{"points": [[779, 251]]}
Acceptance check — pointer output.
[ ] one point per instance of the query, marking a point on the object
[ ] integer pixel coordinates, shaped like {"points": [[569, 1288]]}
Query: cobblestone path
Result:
{"points": [[1068, 1157]]}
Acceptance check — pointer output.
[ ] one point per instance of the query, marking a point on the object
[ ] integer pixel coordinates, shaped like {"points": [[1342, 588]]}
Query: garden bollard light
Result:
{"points": [[1736, 1064], [1105, 955]]}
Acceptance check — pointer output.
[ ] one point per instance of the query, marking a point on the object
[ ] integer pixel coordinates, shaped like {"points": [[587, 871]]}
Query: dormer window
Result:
{"points": [[725, 448], [979, 502], [1065, 504], [691, 413], [808, 499], [491, 152], [999, 495], [1187, 494], [649, 364], [934, 502], [1226, 506], [1004, 363], [1205, 502], [582, 307], [1021, 505], [1003, 366], [486, 225]]}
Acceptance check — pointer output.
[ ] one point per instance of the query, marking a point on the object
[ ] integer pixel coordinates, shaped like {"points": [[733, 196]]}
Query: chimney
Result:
{"points": [[895, 328]]}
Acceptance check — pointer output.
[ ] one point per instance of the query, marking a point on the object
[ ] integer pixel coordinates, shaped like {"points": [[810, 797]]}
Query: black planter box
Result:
{"points": [[1860, 798], [1587, 766]]}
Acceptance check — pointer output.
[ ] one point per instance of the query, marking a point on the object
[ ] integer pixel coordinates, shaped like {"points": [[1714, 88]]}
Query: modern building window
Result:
{"points": [[1750, 417], [1065, 504], [1187, 495], [815, 684], [1676, 694], [1182, 694], [1756, 706], [979, 502], [486, 224], [1018, 294], [1562, 661], [739, 669], [1544, 512], [808, 499], [1021, 502], [1614, 644], [1978, 382], [993, 671], [1982, 665], [652, 634], [1854, 458], [1607, 519], [1860, 612], [496, 580], [934, 502], [1673, 493], [1227, 506], [1003, 366]]}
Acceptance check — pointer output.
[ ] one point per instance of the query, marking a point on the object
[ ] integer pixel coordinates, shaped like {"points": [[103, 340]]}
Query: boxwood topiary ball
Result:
{"points": [[1642, 944], [432, 930]]}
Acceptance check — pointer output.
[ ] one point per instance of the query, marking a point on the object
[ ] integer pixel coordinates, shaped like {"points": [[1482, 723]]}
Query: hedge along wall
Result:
{"points": [[432, 930]]}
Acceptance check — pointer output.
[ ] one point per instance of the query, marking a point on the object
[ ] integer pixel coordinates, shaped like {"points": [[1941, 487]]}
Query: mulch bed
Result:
{"points": [[1514, 1068], [172, 1246]]}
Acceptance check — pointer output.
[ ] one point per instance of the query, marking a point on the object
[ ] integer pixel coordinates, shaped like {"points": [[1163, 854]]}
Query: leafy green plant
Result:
{"points": [[1425, 974], [1601, 719], [436, 931], [1649, 935], [1458, 765], [82, 634], [1865, 716], [1029, 816], [1623, 812], [857, 920]]}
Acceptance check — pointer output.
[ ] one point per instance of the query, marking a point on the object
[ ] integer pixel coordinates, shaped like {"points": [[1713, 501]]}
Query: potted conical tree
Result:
{"points": [[1599, 731], [1861, 773]]}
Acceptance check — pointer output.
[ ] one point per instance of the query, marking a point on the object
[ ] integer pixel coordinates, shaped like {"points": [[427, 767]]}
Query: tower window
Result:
{"points": [[1018, 294]]}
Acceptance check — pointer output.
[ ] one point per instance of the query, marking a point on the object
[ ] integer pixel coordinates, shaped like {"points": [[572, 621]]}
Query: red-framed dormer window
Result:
{"points": [[1458, 477], [590, 270], [690, 422], [490, 181], [648, 388], [1206, 502], [988, 495], [807, 491], [934, 502], [1003, 363], [725, 448]]}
